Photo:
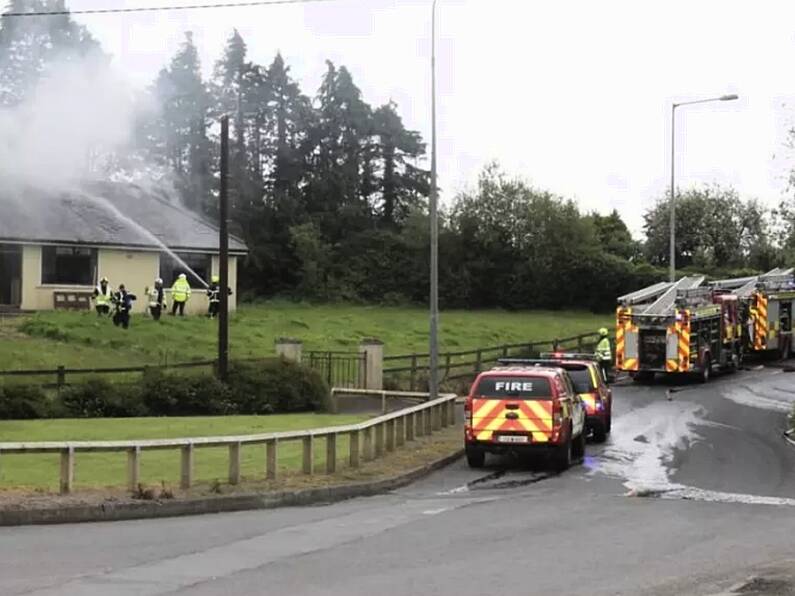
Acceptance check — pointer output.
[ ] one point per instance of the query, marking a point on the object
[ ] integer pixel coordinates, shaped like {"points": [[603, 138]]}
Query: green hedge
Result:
{"points": [[268, 387]]}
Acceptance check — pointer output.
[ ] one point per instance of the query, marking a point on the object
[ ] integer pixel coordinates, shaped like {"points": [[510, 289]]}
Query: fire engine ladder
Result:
{"points": [[743, 287], [644, 295], [665, 303]]}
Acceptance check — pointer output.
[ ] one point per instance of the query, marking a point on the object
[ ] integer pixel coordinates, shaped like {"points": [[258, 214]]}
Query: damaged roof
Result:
{"points": [[105, 213]]}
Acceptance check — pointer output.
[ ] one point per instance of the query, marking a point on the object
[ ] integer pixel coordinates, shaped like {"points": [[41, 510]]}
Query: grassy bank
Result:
{"points": [[80, 339], [93, 470]]}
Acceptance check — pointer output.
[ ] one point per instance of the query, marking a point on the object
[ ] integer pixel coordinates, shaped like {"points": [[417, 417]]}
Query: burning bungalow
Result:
{"points": [[56, 244]]}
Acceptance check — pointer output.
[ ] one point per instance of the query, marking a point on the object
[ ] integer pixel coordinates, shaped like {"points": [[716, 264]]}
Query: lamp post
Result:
{"points": [[672, 258], [433, 373]]}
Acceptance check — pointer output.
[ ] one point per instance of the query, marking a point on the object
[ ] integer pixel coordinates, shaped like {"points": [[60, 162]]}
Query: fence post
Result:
{"points": [[186, 466], [436, 417], [390, 435], [67, 470], [408, 422], [413, 382], [428, 421], [308, 455], [331, 453], [419, 423], [60, 379], [234, 463], [451, 412], [353, 449], [400, 431], [446, 365], [270, 459], [133, 468], [379, 439], [368, 443], [504, 351], [478, 361], [579, 344], [330, 365]]}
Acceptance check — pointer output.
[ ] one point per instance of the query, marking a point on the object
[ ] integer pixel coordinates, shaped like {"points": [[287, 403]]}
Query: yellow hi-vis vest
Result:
{"points": [[103, 298], [180, 291], [603, 350]]}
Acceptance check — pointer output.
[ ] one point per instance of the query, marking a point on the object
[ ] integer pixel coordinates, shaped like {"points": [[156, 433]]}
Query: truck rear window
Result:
{"points": [[504, 387], [582, 379]]}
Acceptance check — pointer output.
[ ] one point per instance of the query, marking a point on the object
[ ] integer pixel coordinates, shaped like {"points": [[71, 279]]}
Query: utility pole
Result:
{"points": [[672, 206], [433, 377], [223, 245]]}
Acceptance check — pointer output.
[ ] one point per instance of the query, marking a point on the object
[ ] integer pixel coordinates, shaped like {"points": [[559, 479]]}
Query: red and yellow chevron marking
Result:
{"points": [[624, 325], [589, 399], [620, 313], [489, 416], [683, 329], [760, 322]]}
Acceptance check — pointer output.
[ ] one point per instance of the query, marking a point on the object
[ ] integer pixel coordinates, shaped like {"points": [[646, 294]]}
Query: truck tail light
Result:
{"points": [[557, 414], [468, 410]]}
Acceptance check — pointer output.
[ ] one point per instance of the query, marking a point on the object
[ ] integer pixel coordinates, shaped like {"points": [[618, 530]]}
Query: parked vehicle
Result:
{"points": [[522, 409]]}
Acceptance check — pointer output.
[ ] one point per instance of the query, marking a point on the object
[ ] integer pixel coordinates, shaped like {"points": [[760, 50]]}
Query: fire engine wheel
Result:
{"points": [[563, 456], [476, 458], [706, 369]]}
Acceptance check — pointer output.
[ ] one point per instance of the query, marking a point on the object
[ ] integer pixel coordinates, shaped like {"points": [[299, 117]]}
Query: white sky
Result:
{"points": [[573, 95]]}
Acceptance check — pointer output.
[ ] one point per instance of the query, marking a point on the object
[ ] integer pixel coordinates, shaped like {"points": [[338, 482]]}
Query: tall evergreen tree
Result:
{"points": [[179, 136], [402, 183]]}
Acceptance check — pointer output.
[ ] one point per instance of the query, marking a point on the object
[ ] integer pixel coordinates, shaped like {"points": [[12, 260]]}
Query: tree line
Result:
{"points": [[330, 193]]}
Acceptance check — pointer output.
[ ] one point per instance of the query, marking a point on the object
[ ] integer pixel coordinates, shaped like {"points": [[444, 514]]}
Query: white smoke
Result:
{"points": [[80, 113]]}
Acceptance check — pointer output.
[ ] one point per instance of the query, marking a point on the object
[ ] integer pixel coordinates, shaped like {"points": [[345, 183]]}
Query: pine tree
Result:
{"points": [[402, 183], [179, 136]]}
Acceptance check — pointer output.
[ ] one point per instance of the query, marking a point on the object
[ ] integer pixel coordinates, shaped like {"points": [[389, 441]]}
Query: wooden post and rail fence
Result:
{"points": [[367, 441]]}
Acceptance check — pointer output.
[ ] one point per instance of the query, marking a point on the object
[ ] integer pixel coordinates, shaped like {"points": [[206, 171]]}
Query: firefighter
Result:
{"points": [[180, 294], [604, 353], [122, 300], [157, 300], [103, 296], [214, 294]]}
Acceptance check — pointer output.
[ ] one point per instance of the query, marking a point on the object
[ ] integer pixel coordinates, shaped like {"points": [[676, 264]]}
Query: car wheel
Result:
{"points": [[600, 432], [579, 447], [563, 455], [476, 458]]}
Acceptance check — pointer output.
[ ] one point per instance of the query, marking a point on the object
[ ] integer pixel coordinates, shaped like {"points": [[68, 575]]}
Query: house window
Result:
{"points": [[68, 265], [170, 268]]}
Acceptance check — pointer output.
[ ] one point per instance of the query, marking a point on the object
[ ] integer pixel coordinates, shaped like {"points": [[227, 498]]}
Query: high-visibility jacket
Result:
{"points": [[103, 297], [603, 349], [180, 291]]}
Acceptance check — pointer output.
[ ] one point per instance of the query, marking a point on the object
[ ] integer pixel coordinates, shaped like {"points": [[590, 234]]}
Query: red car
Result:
{"points": [[590, 384], [521, 409]]}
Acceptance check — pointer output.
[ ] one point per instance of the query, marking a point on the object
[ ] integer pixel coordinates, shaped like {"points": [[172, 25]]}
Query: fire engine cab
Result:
{"points": [[524, 408]]}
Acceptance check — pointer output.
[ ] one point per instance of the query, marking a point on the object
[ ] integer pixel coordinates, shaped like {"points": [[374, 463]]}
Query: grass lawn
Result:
{"points": [[49, 339], [92, 470]]}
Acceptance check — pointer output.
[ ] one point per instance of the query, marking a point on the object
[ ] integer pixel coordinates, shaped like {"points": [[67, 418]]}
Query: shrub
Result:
{"points": [[40, 328], [98, 398], [168, 394], [277, 386], [23, 402]]}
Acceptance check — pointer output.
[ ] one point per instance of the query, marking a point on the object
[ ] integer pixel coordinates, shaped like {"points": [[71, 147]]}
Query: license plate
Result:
{"points": [[513, 439]]}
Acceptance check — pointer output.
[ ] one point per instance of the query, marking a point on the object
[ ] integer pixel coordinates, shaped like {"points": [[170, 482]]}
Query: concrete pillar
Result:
{"points": [[374, 365], [290, 349]]}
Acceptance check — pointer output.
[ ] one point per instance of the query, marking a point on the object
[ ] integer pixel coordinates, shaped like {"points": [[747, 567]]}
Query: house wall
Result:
{"points": [[137, 270]]}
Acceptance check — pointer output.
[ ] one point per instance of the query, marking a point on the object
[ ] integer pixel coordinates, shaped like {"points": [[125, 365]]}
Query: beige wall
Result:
{"points": [[137, 270]]}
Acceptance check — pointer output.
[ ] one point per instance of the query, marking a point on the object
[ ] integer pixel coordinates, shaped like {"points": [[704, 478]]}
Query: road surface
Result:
{"points": [[692, 495]]}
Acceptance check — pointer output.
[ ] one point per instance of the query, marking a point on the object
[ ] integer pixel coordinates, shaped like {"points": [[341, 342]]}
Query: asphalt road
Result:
{"points": [[689, 496]]}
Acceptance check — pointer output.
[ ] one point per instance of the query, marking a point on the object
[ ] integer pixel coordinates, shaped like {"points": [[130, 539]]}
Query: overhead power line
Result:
{"points": [[243, 4]]}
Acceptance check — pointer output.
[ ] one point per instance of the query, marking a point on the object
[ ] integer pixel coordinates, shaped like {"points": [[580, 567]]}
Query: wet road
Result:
{"points": [[718, 486]]}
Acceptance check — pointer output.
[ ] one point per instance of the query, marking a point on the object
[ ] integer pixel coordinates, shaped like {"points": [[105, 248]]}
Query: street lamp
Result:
{"points": [[433, 373], [731, 97]]}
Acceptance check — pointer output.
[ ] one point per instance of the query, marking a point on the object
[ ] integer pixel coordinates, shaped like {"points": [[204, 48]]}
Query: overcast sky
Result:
{"points": [[573, 95]]}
